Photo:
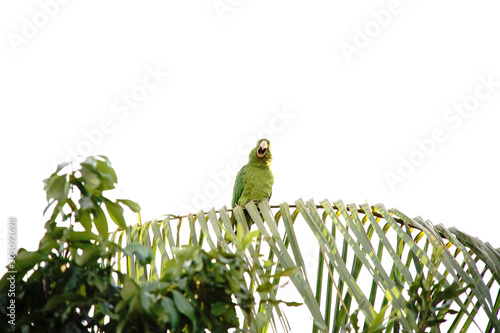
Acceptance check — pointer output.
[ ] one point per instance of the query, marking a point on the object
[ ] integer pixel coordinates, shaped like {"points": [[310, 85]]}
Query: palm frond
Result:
{"points": [[367, 258]]}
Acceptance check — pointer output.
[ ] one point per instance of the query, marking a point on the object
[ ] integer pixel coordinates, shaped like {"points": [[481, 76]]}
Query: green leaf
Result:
{"points": [[61, 166], [26, 259], [239, 233], [354, 320], [249, 237], [98, 173], [186, 252], [130, 204], [130, 289], [86, 203], [83, 216], [90, 178], [378, 319], [144, 254], [73, 281], [219, 308], [169, 308], [89, 254], [267, 287], [184, 307], [294, 304], [50, 203], [147, 300], [100, 221], [78, 236], [261, 320], [287, 272], [106, 170], [116, 213], [268, 263], [90, 161], [57, 187], [62, 300]]}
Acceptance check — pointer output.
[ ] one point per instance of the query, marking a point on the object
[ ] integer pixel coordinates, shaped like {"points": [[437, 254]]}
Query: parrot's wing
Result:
{"points": [[238, 187]]}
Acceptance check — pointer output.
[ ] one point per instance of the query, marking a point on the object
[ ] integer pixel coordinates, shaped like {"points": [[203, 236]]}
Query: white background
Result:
{"points": [[345, 120]]}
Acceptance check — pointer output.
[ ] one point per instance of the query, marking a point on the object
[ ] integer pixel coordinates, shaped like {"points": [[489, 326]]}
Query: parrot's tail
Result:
{"points": [[248, 218]]}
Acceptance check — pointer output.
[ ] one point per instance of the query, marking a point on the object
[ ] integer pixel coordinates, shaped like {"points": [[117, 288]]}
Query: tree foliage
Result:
{"points": [[377, 269], [72, 284]]}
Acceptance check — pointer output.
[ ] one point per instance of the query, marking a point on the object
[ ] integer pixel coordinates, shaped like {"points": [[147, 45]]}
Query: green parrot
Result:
{"points": [[255, 180]]}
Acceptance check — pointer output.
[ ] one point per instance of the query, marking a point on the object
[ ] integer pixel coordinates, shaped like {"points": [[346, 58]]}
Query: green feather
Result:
{"points": [[255, 180], [238, 187]]}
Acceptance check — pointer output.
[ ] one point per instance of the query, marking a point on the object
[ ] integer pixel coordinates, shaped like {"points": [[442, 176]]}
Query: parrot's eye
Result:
{"points": [[261, 152]]}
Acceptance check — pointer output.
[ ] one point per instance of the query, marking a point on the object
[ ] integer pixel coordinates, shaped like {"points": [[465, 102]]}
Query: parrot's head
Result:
{"points": [[262, 152]]}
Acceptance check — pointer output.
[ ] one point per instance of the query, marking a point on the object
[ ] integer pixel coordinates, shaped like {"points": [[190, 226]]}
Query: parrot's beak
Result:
{"points": [[261, 151]]}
